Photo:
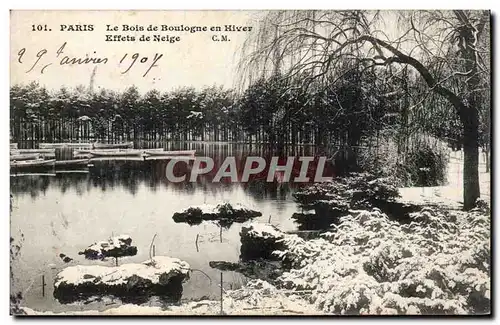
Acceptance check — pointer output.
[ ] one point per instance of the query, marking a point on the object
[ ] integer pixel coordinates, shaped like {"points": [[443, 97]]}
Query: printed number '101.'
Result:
{"points": [[39, 28]]}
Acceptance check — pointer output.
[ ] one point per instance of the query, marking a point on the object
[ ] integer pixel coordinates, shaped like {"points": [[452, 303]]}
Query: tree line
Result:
{"points": [[77, 114], [271, 110]]}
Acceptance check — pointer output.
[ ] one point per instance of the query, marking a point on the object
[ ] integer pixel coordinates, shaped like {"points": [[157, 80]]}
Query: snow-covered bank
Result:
{"points": [[252, 269], [437, 264], [330, 201], [257, 298], [160, 276], [451, 194]]}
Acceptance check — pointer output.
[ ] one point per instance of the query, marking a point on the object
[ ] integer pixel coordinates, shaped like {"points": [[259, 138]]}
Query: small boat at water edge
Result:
{"points": [[73, 171], [32, 163], [81, 153], [27, 151], [124, 145], [29, 156], [153, 152], [182, 158], [65, 145], [45, 153], [31, 174], [115, 158], [82, 156], [115, 153], [72, 162]]}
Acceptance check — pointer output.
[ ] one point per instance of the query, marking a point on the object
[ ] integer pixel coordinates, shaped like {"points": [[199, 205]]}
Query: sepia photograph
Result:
{"points": [[250, 162]]}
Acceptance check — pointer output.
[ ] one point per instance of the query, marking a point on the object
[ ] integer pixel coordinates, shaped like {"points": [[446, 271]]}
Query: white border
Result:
{"points": [[190, 5], [254, 4]]}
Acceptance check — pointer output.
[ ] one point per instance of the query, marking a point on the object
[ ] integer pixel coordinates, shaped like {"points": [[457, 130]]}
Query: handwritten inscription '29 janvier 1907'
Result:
{"points": [[40, 60]]}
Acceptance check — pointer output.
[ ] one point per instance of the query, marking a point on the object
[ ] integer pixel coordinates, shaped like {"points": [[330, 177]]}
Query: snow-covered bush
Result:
{"points": [[427, 164], [356, 190], [421, 162], [439, 263], [331, 200], [15, 297]]}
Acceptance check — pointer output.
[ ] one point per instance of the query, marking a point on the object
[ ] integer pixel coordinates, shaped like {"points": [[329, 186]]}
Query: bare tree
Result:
{"points": [[448, 49]]}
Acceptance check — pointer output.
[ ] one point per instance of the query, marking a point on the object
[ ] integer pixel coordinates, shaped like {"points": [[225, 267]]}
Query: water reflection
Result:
{"points": [[131, 174]]}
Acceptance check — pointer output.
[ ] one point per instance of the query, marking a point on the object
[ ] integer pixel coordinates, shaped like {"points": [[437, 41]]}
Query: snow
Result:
{"points": [[215, 208], [206, 208], [259, 298], [115, 246], [195, 114], [118, 275], [438, 263], [450, 195], [264, 231]]}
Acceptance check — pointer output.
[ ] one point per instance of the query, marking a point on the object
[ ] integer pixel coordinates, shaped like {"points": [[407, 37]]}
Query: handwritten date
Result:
{"points": [[44, 59]]}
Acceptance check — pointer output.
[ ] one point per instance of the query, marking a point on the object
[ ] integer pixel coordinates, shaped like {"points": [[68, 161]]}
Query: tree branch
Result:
{"points": [[400, 57]]}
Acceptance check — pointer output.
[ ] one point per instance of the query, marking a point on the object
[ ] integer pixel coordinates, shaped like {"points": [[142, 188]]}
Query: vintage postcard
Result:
{"points": [[284, 162]]}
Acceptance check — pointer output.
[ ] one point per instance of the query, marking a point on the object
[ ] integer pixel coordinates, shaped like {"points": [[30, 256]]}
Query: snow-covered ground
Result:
{"points": [[260, 298], [450, 195]]}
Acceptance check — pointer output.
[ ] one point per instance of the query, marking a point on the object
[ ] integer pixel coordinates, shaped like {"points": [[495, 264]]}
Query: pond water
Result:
{"points": [[64, 212]]}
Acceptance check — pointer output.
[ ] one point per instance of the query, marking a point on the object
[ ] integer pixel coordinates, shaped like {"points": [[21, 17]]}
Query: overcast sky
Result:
{"points": [[194, 61]]}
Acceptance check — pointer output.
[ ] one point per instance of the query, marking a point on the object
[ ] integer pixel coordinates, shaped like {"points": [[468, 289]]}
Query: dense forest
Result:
{"points": [[271, 110]]}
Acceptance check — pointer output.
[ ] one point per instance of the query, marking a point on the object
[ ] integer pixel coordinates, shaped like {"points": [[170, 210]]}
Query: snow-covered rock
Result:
{"points": [[259, 240], [332, 200], [118, 246], [262, 231], [162, 275], [225, 214]]}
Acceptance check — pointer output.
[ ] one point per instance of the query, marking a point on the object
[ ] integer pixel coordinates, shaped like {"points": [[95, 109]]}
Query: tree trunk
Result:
{"points": [[469, 115], [487, 159], [471, 162]]}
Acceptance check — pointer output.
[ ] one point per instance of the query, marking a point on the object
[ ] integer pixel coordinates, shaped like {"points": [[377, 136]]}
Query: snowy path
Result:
{"points": [[451, 194]]}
